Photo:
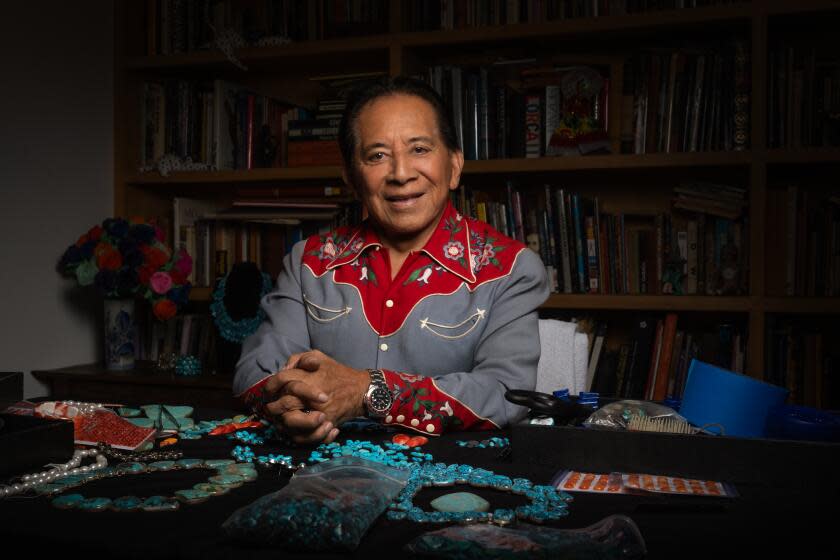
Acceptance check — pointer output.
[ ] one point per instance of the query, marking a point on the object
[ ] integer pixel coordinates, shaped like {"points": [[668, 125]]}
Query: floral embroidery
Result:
{"points": [[330, 244], [454, 250], [423, 274], [366, 273], [484, 251]]}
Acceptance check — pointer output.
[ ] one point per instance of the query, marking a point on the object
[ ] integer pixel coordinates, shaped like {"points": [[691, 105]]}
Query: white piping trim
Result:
{"points": [[340, 312], [475, 317]]}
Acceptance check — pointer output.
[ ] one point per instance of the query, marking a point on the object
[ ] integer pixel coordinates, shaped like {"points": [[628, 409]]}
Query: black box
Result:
{"points": [[28, 443], [11, 388], [725, 459]]}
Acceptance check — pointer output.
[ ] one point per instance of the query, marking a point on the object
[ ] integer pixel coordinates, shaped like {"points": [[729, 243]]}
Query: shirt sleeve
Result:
{"points": [[506, 357], [278, 337]]}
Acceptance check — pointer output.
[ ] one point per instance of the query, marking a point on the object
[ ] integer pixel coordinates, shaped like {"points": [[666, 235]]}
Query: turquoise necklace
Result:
{"points": [[236, 331], [226, 474]]}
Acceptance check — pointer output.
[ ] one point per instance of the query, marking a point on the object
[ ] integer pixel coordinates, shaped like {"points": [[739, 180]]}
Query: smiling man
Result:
{"points": [[418, 317]]}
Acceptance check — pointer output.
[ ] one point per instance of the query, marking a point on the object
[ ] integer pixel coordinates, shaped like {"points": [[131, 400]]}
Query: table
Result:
{"points": [[767, 521], [93, 383]]}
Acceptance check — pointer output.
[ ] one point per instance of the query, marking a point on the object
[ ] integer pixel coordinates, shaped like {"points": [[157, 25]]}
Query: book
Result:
{"points": [[663, 370]]}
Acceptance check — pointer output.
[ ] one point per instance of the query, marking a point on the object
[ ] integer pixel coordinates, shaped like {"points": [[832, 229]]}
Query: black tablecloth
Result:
{"points": [[769, 521]]}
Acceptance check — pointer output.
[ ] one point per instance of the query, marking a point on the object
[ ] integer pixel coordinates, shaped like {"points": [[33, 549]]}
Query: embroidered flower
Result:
{"points": [[453, 250], [328, 249], [487, 254], [447, 409], [357, 245], [475, 257]]}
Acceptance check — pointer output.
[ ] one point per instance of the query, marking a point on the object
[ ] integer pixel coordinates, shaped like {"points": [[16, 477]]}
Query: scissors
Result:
{"points": [[543, 403]]}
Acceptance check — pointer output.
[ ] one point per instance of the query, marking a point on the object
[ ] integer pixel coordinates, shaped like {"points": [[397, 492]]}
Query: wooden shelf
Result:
{"points": [[810, 305], [577, 26], [265, 175], [652, 303], [803, 155], [483, 34], [251, 55]]}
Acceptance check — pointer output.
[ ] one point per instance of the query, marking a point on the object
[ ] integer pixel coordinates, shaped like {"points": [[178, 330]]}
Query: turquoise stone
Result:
{"points": [[162, 466], [179, 411], [160, 503], [127, 503], [192, 496], [68, 501], [212, 489], [70, 480], [142, 422], [131, 468], [216, 463], [460, 502], [190, 463], [127, 412], [231, 480], [189, 436], [94, 504], [185, 423], [151, 410], [49, 488], [239, 418]]}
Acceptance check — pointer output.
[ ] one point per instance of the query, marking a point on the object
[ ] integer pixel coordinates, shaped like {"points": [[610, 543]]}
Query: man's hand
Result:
{"points": [[316, 394]]}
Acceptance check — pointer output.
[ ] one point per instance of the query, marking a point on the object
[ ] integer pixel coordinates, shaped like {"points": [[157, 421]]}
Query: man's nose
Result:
{"points": [[402, 170]]}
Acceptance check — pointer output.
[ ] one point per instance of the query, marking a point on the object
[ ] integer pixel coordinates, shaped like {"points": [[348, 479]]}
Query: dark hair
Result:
{"points": [[359, 97]]}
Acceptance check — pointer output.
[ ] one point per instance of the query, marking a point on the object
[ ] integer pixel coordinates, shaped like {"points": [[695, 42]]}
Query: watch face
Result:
{"points": [[380, 400]]}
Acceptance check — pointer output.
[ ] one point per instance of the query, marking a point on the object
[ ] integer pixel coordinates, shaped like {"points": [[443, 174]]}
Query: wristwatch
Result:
{"points": [[378, 398]]}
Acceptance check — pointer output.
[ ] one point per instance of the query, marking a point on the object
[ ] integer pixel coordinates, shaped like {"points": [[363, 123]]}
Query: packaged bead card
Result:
{"points": [[635, 483]]}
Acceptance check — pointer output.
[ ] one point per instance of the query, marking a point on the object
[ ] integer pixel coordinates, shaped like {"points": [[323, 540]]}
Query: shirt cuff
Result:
{"points": [[420, 405], [256, 398]]}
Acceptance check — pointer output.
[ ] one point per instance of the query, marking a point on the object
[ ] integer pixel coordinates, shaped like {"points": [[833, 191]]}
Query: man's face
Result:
{"points": [[403, 171]]}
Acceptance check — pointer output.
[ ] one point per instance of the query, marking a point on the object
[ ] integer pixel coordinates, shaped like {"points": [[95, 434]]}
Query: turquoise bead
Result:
{"points": [[190, 463], [213, 489], [94, 504], [216, 463], [232, 480], [131, 468], [160, 503], [162, 466], [192, 496], [126, 503], [68, 501]]}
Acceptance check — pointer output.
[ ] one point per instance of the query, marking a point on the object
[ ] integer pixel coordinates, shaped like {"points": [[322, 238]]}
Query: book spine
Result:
{"points": [[660, 388], [533, 125]]}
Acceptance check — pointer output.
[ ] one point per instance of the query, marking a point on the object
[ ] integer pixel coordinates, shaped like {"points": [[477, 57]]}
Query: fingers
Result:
{"points": [[285, 404], [311, 361], [290, 383], [307, 428]]}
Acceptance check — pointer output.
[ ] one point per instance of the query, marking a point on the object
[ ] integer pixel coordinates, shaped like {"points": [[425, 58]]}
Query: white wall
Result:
{"points": [[56, 175]]}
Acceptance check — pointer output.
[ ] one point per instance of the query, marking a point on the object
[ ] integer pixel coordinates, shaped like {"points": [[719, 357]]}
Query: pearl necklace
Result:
{"points": [[71, 467]]}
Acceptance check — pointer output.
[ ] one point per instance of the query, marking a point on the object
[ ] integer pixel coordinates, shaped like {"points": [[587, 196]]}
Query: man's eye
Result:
{"points": [[376, 156], [420, 149]]}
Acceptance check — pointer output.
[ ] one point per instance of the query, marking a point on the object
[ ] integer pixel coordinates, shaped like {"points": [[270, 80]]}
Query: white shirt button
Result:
{"points": [[389, 303], [415, 422], [400, 418], [383, 347], [430, 428], [388, 419]]}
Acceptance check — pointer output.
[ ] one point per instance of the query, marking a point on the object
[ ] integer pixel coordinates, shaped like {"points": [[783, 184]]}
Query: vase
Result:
{"points": [[120, 330]]}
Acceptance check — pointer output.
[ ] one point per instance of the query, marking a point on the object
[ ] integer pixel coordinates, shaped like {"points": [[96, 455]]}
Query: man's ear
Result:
{"points": [[456, 160]]}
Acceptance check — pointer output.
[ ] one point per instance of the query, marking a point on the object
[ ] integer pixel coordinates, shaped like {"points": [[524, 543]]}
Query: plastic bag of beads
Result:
{"points": [[329, 506], [615, 538], [619, 414]]}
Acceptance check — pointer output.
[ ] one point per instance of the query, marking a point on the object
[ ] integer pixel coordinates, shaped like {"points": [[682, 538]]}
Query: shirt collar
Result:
{"points": [[449, 245]]}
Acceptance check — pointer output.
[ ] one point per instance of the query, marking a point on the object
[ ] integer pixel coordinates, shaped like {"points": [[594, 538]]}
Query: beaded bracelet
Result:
{"points": [[187, 366], [227, 475], [547, 503]]}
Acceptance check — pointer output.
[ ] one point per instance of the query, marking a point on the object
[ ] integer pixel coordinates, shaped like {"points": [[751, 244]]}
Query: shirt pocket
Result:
{"points": [[323, 314], [451, 330]]}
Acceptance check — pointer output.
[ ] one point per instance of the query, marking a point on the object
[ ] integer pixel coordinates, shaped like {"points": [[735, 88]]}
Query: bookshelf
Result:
{"points": [[630, 179]]}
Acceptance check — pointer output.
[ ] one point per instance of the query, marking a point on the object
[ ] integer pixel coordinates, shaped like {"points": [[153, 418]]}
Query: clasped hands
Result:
{"points": [[313, 395]]}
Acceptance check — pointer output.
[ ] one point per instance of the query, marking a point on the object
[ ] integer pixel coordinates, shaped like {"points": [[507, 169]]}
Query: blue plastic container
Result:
{"points": [[728, 403]]}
